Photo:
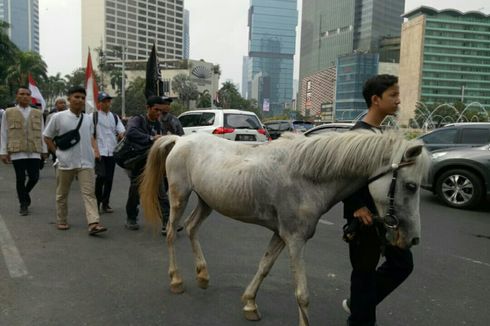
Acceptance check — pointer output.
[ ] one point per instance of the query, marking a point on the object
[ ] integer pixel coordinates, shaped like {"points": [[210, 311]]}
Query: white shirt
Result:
{"points": [[107, 132], [81, 155], [4, 137]]}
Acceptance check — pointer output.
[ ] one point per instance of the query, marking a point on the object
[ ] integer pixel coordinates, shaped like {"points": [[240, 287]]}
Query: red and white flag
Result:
{"points": [[36, 95], [91, 102]]}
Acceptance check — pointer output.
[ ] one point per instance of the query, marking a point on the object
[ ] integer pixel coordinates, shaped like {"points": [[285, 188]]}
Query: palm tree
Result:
{"points": [[26, 63], [54, 87], [8, 55], [204, 99]]}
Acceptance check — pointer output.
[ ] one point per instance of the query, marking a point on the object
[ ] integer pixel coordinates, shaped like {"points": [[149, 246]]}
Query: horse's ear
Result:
{"points": [[413, 150]]}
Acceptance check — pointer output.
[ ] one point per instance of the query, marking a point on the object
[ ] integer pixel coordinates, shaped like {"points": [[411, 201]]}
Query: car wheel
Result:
{"points": [[459, 188]]}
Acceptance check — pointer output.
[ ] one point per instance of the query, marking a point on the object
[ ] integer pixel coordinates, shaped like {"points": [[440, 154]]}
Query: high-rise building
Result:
{"points": [[272, 39], [187, 36], [332, 28], [352, 71], [445, 58], [245, 86], [133, 25], [23, 18]]}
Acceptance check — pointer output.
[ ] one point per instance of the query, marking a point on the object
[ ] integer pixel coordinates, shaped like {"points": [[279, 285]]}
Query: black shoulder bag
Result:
{"points": [[129, 154], [70, 138]]}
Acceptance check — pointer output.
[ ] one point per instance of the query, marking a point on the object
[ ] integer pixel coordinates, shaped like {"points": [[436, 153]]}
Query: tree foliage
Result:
{"points": [[187, 90]]}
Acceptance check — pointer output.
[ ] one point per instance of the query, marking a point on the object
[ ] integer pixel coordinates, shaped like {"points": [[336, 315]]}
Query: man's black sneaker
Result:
{"points": [[23, 211], [132, 225], [107, 209]]}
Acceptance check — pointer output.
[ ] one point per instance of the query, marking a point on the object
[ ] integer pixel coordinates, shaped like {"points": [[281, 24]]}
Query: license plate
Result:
{"points": [[245, 138]]}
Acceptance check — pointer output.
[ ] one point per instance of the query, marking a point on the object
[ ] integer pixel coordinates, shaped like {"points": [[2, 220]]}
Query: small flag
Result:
{"points": [[153, 78], [36, 95], [91, 102]]}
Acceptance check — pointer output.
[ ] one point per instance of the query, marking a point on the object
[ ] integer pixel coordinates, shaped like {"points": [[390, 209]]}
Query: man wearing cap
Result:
{"points": [[108, 130], [144, 130]]}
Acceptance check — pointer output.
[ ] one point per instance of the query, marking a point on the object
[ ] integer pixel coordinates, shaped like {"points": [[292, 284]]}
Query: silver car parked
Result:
{"points": [[460, 176]]}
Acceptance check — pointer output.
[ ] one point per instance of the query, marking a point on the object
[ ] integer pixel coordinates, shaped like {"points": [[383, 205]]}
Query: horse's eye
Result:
{"points": [[412, 187]]}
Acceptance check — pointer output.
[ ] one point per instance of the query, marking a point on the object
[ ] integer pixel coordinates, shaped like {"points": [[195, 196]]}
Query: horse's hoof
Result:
{"points": [[252, 315], [177, 288], [202, 283]]}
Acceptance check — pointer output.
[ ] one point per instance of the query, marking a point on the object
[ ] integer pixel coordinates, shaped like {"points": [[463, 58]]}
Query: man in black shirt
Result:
{"points": [[371, 284]]}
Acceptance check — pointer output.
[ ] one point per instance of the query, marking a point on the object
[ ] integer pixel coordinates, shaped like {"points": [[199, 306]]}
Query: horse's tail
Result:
{"points": [[151, 178]]}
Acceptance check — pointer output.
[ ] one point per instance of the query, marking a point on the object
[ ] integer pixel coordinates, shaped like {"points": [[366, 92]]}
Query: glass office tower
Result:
{"points": [[332, 28], [23, 18], [271, 48]]}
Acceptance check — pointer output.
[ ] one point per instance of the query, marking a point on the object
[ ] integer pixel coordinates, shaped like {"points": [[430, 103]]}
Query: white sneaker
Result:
{"points": [[346, 305]]}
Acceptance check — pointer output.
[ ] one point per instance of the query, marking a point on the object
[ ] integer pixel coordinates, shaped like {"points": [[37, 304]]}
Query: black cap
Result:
{"points": [[104, 96]]}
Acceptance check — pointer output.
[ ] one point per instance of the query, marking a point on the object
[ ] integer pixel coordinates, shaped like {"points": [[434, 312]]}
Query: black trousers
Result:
{"points": [[29, 168], [104, 169], [134, 198], [371, 284]]}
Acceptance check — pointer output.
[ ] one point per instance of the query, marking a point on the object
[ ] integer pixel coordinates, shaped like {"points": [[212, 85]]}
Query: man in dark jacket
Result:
{"points": [[371, 284], [144, 130]]}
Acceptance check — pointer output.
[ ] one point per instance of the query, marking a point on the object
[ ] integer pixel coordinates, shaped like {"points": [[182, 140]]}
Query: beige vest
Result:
{"points": [[22, 137]]}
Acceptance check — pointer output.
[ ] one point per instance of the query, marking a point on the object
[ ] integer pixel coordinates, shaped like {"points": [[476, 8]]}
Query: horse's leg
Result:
{"points": [[193, 223], [178, 201], [296, 252], [250, 310]]}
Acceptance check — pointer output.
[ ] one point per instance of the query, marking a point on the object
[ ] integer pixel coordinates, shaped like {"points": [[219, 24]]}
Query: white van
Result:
{"points": [[234, 125]]}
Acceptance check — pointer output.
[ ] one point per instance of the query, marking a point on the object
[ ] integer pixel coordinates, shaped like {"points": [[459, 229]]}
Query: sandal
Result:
{"points": [[63, 226], [95, 228]]}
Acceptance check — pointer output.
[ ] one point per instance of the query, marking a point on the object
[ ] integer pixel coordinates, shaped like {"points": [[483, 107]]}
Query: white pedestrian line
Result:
{"points": [[11, 254], [326, 222], [474, 261]]}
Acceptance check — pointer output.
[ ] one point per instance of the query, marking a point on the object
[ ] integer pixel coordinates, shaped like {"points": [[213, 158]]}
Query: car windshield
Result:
{"points": [[241, 121]]}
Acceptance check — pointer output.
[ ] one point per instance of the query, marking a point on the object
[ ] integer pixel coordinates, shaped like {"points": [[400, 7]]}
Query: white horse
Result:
{"points": [[284, 186]]}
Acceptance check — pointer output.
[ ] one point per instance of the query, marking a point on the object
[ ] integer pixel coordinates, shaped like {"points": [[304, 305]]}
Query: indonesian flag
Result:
{"points": [[36, 96], [91, 102]]}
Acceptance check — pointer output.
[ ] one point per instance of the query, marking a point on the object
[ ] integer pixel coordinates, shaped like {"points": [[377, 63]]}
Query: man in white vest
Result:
{"points": [[22, 145]]}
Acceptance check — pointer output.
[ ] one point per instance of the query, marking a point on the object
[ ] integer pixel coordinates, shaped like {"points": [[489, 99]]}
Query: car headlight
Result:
{"points": [[438, 155]]}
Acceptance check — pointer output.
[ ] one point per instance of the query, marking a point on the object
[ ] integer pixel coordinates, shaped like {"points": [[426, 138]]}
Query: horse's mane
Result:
{"points": [[337, 155]]}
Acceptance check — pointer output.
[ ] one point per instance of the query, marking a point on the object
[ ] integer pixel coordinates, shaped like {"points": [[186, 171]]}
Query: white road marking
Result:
{"points": [[326, 222], [11, 254], [472, 260]]}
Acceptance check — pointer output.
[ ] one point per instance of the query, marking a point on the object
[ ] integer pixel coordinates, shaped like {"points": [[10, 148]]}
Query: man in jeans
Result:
{"points": [[108, 130], [76, 161], [22, 145]]}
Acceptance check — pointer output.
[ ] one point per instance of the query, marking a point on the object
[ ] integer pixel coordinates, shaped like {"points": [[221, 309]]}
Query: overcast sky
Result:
{"points": [[218, 31]]}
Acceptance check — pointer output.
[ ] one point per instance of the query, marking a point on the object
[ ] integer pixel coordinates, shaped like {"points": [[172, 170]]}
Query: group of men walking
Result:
{"points": [[26, 142]]}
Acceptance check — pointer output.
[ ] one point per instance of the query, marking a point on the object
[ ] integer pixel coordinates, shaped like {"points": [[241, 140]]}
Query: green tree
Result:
{"points": [[52, 88], [135, 101], [8, 55], [116, 78], [204, 99], [187, 90], [77, 78], [26, 63]]}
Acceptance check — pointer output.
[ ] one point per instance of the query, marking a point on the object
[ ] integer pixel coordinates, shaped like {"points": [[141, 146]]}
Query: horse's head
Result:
{"points": [[396, 193]]}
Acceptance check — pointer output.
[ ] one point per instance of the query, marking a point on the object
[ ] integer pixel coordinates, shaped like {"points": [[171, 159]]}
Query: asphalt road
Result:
{"points": [[51, 277]]}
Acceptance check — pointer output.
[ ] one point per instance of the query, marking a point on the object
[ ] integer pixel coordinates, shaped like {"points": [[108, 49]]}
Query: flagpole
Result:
{"points": [[123, 83]]}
